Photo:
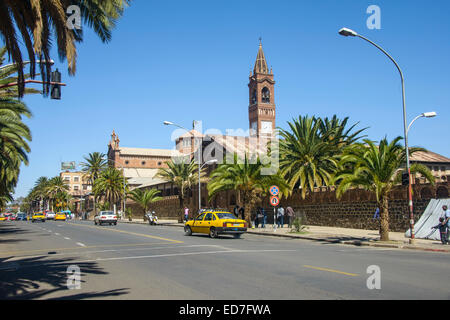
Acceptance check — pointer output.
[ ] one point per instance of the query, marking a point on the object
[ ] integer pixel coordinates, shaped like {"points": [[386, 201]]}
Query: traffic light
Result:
{"points": [[405, 179], [55, 89]]}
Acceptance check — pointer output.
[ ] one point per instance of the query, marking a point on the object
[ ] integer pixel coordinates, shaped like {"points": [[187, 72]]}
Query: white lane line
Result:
{"points": [[57, 234], [188, 254], [66, 238], [80, 244]]}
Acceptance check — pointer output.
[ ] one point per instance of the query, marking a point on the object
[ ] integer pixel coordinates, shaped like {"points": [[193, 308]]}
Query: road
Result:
{"points": [[131, 261]]}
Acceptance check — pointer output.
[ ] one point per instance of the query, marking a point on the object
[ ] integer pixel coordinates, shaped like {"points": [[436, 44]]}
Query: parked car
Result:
{"points": [[38, 216], [50, 215], [105, 217], [22, 216], [214, 222], [60, 216], [2, 217]]}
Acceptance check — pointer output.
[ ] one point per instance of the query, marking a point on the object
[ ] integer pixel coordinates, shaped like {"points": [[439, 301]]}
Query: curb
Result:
{"points": [[354, 243]]}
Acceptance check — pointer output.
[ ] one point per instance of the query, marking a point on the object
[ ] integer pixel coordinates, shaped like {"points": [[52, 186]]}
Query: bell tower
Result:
{"points": [[261, 110]]}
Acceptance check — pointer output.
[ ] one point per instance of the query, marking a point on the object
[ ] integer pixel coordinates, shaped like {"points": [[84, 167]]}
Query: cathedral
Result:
{"points": [[140, 165]]}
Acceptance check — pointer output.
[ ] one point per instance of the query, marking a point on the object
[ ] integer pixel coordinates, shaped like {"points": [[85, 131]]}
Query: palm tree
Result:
{"points": [[310, 151], [14, 134], [377, 169], [245, 177], [181, 174], [95, 163], [109, 186], [55, 188], [42, 22], [145, 198]]}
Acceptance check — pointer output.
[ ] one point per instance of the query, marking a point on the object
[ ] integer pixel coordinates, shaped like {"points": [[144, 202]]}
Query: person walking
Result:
{"points": [[186, 214], [290, 215], [264, 220], [242, 213], [259, 218], [236, 211], [447, 219], [281, 211]]}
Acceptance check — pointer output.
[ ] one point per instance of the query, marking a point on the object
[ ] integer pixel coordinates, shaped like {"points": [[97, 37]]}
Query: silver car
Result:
{"points": [[105, 217]]}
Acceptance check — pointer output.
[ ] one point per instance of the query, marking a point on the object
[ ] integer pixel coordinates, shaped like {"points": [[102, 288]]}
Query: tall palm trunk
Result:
{"points": [[384, 218]]}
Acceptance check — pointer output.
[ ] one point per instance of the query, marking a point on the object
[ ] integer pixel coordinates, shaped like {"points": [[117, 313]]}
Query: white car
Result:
{"points": [[50, 215], [105, 217]]}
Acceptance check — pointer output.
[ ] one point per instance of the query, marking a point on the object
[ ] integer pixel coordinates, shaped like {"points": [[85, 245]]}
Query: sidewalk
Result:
{"points": [[358, 237]]}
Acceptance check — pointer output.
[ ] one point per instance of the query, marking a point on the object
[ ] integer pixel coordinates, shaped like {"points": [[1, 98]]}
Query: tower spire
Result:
{"points": [[261, 63]]}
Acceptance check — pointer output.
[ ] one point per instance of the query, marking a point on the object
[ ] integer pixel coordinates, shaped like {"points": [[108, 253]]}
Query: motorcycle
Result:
{"points": [[152, 218]]}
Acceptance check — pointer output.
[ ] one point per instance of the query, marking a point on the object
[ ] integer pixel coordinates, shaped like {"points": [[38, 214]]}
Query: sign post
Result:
{"points": [[274, 201]]}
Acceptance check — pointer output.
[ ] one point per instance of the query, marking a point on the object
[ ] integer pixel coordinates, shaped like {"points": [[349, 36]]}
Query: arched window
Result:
{"points": [[254, 98], [265, 95]]}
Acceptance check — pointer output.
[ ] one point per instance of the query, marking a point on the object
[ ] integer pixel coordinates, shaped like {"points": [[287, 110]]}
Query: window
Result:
{"points": [[66, 178], [127, 162], [265, 95], [76, 179], [208, 217], [186, 142], [76, 188], [143, 163], [84, 187], [200, 217], [159, 163], [254, 98]]}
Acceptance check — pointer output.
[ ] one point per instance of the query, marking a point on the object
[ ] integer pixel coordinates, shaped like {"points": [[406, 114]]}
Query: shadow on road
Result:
{"points": [[37, 277]]}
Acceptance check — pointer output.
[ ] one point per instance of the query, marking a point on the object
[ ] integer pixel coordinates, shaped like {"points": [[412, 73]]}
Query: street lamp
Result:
{"points": [[350, 33], [168, 123], [423, 115]]}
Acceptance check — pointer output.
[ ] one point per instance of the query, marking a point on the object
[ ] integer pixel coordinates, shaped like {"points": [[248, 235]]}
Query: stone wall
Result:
{"points": [[355, 209]]}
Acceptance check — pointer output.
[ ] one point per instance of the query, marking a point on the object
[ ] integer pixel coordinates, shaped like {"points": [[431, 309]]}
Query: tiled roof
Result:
{"points": [[149, 152], [428, 156]]}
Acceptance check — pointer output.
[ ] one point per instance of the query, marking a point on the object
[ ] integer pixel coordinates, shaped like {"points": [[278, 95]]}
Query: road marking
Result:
{"points": [[331, 270], [57, 234], [80, 244], [132, 233], [66, 238], [154, 256], [8, 253]]}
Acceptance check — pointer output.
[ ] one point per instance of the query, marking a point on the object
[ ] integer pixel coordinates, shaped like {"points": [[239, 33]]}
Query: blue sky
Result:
{"points": [[186, 60]]}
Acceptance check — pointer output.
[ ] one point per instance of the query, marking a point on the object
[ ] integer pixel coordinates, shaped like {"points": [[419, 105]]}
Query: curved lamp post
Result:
{"points": [[350, 33], [423, 115]]}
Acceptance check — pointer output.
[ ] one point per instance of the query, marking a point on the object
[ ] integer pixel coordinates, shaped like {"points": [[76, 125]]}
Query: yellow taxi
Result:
{"points": [[2, 217], [38, 216], [60, 216], [215, 222]]}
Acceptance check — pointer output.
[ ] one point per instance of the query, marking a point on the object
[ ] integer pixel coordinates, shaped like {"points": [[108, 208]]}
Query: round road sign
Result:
{"points": [[274, 190], [274, 201]]}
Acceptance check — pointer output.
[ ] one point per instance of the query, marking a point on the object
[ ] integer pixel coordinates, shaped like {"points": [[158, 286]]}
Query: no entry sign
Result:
{"points": [[274, 190], [274, 201]]}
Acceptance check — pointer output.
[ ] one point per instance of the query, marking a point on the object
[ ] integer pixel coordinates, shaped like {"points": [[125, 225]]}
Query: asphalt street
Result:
{"points": [[131, 261]]}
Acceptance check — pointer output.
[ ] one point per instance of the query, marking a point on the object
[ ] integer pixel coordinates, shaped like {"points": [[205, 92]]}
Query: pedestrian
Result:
{"points": [[290, 215], [242, 212], [377, 214], [443, 229], [447, 219], [260, 217], [186, 214], [264, 221], [236, 211], [280, 216]]}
